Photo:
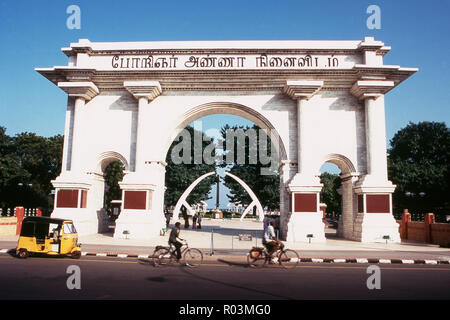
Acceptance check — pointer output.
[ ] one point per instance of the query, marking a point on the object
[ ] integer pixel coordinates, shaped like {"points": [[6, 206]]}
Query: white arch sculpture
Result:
{"points": [[255, 201], [182, 201]]}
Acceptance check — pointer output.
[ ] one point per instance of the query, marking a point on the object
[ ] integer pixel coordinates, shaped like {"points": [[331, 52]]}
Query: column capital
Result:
{"points": [[371, 89], [302, 89], [143, 89], [86, 90]]}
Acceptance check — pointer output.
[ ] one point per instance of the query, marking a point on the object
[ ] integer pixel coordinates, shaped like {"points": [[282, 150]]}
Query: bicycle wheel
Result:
{"points": [[162, 256], [256, 258], [193, 257], [289, 259]]}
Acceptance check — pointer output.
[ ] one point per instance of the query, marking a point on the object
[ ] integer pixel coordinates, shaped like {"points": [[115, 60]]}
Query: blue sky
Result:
{"points": [[32, 33]]}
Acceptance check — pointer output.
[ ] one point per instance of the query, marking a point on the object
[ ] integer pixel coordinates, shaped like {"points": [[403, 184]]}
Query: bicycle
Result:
{"points": [[287, 258], [163, 255]]}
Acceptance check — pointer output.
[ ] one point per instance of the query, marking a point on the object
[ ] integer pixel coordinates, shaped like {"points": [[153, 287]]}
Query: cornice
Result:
{"points": [[371, 88], [86, 90], [303, 89], [146, 89]]}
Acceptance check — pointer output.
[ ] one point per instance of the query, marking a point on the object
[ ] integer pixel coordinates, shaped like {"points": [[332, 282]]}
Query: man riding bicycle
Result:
{"points": [[175, 240], [270, 240]]}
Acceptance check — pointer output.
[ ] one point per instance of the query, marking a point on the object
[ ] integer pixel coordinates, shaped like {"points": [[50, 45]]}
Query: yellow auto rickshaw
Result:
{"points": [[48, 236]]}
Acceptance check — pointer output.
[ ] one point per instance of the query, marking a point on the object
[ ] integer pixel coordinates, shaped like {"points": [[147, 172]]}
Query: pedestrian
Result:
{"points": [[199, 220], [186, 218], [167, 218], [194, 221], [265, 222]]}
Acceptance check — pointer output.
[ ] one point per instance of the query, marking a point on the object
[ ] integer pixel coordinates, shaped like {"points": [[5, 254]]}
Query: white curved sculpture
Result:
{"points": [[182, 201], [255, 201]]}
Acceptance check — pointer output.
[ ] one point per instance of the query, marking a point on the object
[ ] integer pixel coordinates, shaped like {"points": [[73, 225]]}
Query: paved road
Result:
{"points": [[111, 278]]}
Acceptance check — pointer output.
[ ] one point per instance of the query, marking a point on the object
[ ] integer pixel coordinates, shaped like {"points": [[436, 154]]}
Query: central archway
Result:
{"points": [[253, 114]]}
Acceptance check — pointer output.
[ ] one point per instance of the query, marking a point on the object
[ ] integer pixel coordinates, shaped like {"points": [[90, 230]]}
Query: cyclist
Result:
{"points": [[175, 239], [270, 240]]}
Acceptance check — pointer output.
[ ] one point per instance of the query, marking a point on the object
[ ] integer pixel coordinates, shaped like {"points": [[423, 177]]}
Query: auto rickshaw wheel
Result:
{"points": [[23, 254], [76, 255]]}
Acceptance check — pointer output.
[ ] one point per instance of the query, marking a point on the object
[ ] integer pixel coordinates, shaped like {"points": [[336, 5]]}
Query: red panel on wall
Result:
{"points": [[305, 202], [377, 203], [67, 198], [135, 199], [83, 200]]}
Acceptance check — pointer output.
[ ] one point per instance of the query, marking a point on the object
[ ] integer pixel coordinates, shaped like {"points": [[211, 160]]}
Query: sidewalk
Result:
{"points": [[227, 246]]}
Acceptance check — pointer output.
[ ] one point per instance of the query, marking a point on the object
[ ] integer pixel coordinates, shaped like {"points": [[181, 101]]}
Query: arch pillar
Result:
{"points": [[142, 214], [374, 219], [305, 217], [347, 219], [75, 189]]}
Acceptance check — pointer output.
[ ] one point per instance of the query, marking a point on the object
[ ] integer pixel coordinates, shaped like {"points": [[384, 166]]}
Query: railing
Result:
{"points": [[7, 212], [12, 212]]}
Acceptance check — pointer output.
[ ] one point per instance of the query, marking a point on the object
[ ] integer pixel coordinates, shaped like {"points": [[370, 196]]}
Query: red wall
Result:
{"points": [[377, 203], [134, 200], [305, 202], [67, 198]]}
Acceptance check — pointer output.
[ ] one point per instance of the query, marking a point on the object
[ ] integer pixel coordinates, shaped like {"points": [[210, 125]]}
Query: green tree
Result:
{"points": [[113, 175], [329, 195], [27, 165], [265, 187], [180, 176], [41, 158], [418, 163]]}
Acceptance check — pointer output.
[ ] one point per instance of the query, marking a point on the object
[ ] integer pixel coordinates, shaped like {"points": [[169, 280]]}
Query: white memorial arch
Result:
{"points": [[324, 100]]}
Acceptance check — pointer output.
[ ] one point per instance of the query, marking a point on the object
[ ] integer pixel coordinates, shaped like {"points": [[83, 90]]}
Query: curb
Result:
{"points": [[302, 260]]}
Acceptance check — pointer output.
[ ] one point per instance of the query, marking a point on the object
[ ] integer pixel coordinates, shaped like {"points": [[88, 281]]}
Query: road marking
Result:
{"points": [[143, 256], [317, 260], [339, 260], [4, 251], [408, 261], [315, 266], [384, 261], [430, 262], [100, 254], [362, 260], [121, 255]]}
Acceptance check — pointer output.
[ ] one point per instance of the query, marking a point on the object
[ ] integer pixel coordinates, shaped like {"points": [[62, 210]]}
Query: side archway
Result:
{"points": [[105, 158], [344, 164], [349, 176]]}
